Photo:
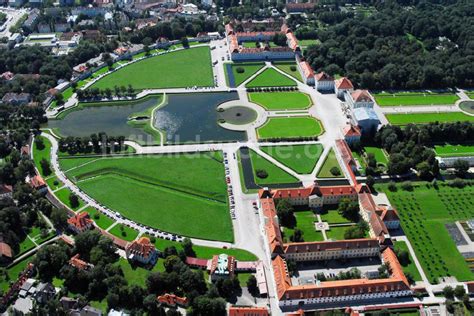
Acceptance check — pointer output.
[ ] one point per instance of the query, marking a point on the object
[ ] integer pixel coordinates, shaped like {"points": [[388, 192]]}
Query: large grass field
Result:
{"points": [[301, 158], [386, 99], [270, 78], [411, 266], [305, 222], [249, 70], [424, 118], [281, 100], [449, 150], [275, 174], [290, 127], [184, 68], [329, 163], [44, 153], [288, 68], [182, 193], [423, 214], [124, 232]]}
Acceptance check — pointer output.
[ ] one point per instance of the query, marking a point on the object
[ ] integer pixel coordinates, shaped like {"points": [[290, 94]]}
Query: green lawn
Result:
{"points": [[63, 196], [378, 153], [271, 78], [39, 155], [423, 118], [287, 68], [333, 217], [67, 163], [290, 127], [100, 219], [13, 273], [385, 99], [25, 245], [305, 222], [281, 100], [124, 232], [243, 277], [301, 158], [449, 150], [184, 68], [249, 70], [53, 182], [207, 252], [275, 174], [423, 214], [168, 192], [330, 162], [307, 42], [410, 267], [336, 233], [138, 275]]}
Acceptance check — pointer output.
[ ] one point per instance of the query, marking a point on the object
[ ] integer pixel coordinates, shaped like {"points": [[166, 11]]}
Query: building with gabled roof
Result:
{"points": [[6, 191], [359, 99], [292, 42], [142, 250], [222, 266], [38, 183], [248, 311], [366, 119], [351, 133], [343, 85], [79, 264], [306, 72], [323, 82], [172, 300], [6, 253], [80, 222]]}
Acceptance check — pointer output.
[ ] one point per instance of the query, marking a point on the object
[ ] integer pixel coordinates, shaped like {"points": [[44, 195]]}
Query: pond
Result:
{"points": [[185, 118], [111, 118], [193, 118]]}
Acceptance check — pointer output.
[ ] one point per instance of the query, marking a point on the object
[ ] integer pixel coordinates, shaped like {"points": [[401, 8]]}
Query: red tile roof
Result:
{"points": [[248, 311], [233, 44], [377, 225], [292, 41], [317, 246], [142, 247], [343, 83], [5, 250], [387, 213], [81, 221], [396, 270], [282, 278], [306, 69], [202, 263], [351, 131], [367, 202], [361, 96], [229, 29], [322, 76], [37, 182], [78, 263], [172, 300], [5, 189]]}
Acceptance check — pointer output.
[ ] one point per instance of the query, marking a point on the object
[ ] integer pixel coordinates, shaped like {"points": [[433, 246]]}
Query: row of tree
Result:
{"points": [[95, 144]]}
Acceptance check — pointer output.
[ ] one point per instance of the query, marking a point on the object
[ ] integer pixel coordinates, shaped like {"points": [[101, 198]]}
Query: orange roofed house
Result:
{"points": [[172, 300], [248, 311], [324, 82], [80, 264], [343, 85], [359, 99], [80, 222], [38, 183], [142, 250]]}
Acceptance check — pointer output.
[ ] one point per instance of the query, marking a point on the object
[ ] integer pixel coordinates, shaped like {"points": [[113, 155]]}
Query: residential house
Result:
{"points": [[343, 85], [7, 75], [6, 191], [142, 251], [172, 300], [13, 98], [33, 17], [324, 82], [79, 264], [248, 311], [80, 222], [38, 183], [44, 292]]}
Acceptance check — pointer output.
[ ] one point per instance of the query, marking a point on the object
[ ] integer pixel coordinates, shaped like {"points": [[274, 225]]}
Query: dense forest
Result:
{"points": [[397, 47]]}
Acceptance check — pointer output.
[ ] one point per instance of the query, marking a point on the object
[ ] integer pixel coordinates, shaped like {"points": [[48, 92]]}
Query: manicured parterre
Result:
{"points": [[275, 174], [270, 78], [281, 100], [305, 222], [413, 98], [183, 68], [290, 127], [423, 118], [249, 70], [378, 153], [288, 68], [449, 150], [329, 163], [300, 158]]}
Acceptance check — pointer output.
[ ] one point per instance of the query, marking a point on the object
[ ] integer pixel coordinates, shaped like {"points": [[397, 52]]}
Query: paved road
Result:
{"points": [[13, 15]]}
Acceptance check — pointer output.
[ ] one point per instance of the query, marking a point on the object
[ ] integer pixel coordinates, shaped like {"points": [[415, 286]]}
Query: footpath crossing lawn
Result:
{"points": [[300, 158], [424, 211], [412, 98], [288, 68], [410, 267], [275, 174], [329, 163], [281, 100], [182, 193], [100, 219], [449, 150], [290, 127], [271, 78], [305, 222], [424, 118], [183, 68], [249, 70], [13, 273]]}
